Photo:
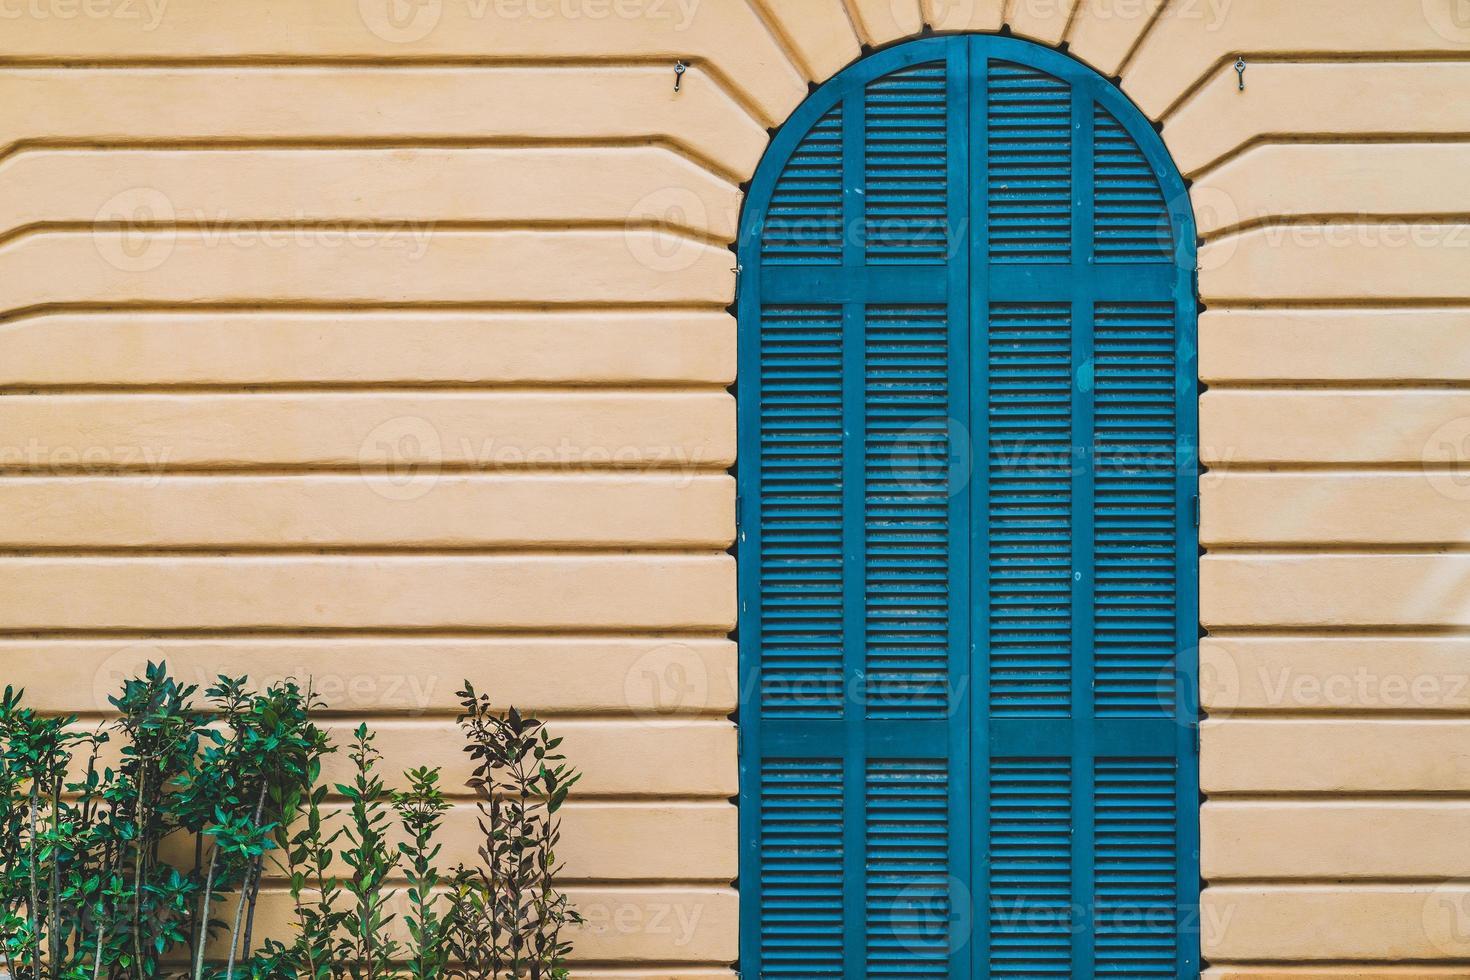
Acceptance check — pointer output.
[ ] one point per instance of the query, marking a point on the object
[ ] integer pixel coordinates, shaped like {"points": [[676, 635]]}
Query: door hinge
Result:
{"points": [[1194, 728], [1195, 509]]}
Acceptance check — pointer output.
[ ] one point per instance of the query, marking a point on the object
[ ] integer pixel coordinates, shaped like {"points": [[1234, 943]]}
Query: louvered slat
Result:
{"points": [[905, 166], [1136, 868], [1030, 178], [906, 469], [804, 220], [1030, 464], [906, 823], [801, 511], [1030, 841], [1132, 223], [801, 868], [1135, 602]]}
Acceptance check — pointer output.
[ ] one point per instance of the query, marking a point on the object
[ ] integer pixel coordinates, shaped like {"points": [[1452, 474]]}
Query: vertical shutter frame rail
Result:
{"points": [[837, 334]]}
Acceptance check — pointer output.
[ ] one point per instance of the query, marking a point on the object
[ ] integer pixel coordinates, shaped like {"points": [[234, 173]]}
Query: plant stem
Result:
{"points": [[235, 932], [56, 875], [244, 892], [138, 866], [254, 897], [194, 911], [204, 917], [97, 959], [35, 886]]}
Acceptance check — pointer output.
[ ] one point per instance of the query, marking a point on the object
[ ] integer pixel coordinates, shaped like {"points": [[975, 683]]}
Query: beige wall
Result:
{"points": [[393, 349]]}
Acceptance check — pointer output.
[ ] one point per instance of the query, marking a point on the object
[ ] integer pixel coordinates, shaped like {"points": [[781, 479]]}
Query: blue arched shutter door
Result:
{"points": [[967, 553]]}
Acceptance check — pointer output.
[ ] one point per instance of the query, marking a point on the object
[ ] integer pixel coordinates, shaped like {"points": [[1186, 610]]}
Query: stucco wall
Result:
{"points": [[388, 344]]}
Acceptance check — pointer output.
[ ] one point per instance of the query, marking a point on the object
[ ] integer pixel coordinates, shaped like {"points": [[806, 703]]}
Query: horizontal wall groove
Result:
{"points": [[1384, 630], [300, 632], [1339, 385], [736, 93], [1220, 472], [350, 475], [1335, 220], [295, 306], [1327, 798], [1367, 716], [692, 469], [1221, 468], [1226, 304], [365, 633], [696, 549], [377, 388], [1313, 967], [1264, 549], [1203, 170], [224, 227], [1346, 881], [1321, 969], [298, 62], [1289, 57], [710, 165]]}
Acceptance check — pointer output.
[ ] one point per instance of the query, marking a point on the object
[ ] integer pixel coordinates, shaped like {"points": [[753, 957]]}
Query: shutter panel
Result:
{"points": [[1030, 170], [801, 511], [804, 219], [1132, 219], [801, 868], [855, 824], [968, 599], [1030, 517]]}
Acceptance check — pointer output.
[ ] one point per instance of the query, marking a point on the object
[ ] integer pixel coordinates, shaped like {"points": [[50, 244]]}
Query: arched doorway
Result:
{"points": [[968, 557]]}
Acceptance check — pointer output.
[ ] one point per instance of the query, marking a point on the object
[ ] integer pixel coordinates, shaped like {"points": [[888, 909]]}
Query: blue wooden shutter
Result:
{"points": [[968, 606]]}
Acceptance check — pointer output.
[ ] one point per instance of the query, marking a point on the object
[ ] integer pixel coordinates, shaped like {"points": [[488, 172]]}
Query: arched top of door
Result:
{"points": [[1134, 171]]}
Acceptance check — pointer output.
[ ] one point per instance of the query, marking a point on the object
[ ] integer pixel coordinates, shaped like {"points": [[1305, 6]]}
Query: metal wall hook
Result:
{"points": [[1240, 70], [679, 69]]}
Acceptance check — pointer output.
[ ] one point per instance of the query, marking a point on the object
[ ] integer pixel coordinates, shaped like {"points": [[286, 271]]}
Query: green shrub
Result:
{"points": [[88, 892]]}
